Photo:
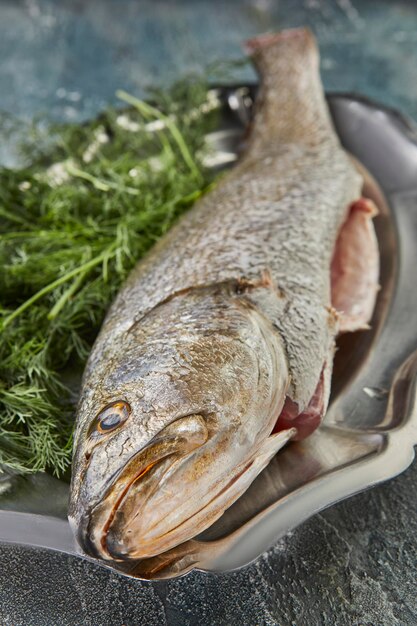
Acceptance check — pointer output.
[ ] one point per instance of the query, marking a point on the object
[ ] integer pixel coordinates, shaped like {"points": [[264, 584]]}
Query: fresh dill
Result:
{"points": [[90, 202]]}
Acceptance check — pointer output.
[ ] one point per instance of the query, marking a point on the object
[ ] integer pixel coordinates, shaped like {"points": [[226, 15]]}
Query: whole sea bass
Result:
{"points": [[219, 348]]}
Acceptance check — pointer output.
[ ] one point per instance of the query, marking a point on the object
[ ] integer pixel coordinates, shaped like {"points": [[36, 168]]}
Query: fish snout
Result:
{"points": [[179, 497], [136, 481], [187, 497]]}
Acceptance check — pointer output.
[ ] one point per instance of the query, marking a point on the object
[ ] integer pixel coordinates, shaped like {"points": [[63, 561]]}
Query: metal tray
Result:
{"points": [[371, 426]]}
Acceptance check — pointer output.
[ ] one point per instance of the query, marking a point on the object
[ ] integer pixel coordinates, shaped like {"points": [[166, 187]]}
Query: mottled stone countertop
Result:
{"points": [[354, 564]]}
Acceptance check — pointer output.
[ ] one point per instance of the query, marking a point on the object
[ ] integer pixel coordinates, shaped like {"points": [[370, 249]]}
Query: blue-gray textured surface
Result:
{"points": [[353, 564]]}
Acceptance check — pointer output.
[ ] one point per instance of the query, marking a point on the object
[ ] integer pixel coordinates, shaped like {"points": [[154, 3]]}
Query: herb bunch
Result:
{"points": [[87, 206]]}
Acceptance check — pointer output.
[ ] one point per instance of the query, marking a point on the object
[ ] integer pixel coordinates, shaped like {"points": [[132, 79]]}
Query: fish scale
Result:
{"points": [[232, 235]]}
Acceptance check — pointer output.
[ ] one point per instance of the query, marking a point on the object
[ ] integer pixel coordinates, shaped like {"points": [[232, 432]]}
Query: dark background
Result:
{"points": [[355, 564]]}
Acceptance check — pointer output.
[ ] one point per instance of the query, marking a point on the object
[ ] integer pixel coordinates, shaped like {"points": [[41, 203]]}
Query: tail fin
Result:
{"points": [[291, 104], [292, 37]]}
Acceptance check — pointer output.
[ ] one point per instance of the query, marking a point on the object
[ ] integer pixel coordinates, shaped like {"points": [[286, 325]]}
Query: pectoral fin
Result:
{"points": [[355, 268]]}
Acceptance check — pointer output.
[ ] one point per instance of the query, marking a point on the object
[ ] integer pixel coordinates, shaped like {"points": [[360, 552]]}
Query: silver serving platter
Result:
{"points": [[371, 426]]}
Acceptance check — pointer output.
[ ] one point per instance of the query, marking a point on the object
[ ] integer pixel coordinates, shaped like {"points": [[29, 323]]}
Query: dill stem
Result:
{"points": [[60, 303], [56, 283], [12, 217], [166, 146], [144, 107], [99, 184]]}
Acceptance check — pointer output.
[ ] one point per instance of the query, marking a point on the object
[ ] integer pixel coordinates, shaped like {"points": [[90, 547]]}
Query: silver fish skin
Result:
{"points": [[226, 319]]}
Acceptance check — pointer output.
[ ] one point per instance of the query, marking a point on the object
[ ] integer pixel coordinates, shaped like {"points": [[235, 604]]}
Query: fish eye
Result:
{"points": [[112, 416]]}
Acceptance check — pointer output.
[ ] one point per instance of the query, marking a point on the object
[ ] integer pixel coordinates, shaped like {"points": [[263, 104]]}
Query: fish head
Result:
{"points": [[170, 431]]}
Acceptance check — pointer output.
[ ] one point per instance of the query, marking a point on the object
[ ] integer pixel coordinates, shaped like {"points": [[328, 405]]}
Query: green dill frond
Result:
{"points": [[89, 203]]}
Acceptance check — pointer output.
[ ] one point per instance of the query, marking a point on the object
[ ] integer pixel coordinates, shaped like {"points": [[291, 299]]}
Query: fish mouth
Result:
{"points": [[135, 519], [149, 522], [154, 470], [154, 542], [144, 472], [172, 490]]}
